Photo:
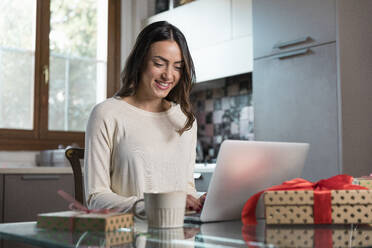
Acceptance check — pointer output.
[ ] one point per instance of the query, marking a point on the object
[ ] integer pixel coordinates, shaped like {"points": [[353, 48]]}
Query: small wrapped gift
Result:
{"points": [[82, 221], [334, 200], [109, 239]]}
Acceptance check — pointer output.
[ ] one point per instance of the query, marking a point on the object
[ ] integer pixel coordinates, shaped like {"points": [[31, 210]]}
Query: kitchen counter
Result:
{"points": [[67, 170], [36, 170]]}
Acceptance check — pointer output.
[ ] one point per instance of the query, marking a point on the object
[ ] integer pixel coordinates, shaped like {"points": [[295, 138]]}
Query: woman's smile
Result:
{"points": [[163, 85]]}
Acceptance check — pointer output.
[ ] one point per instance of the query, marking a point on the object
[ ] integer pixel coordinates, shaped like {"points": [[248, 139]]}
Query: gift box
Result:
{"points": [[318, 237], [363, 181], [297, 206], [109, 239], [82, 221], [335, 200]]}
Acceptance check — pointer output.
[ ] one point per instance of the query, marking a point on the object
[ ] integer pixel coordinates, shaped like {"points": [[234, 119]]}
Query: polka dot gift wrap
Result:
{"points": [[296, 207], [81, 221]]}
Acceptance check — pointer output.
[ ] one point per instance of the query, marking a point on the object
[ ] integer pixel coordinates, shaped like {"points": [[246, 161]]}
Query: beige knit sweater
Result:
{"points": [[130, 151]]}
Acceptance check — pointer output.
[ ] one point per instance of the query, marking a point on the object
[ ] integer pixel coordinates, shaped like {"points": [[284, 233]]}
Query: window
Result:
{"points": [[57, 60]]}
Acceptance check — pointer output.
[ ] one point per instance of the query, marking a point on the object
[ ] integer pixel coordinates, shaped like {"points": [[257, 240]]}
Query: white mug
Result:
{"points": [[162, 238], [163, 210]]}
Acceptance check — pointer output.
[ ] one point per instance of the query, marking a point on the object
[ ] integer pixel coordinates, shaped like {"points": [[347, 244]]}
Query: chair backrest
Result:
{"points": [[74, 155]]}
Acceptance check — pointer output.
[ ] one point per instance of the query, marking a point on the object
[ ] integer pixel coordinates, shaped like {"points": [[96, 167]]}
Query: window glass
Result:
{"points": [[78, 61], [17, 56]]}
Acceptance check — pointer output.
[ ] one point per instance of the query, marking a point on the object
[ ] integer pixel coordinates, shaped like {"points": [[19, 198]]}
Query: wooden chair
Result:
{"points": [[74, 155]]}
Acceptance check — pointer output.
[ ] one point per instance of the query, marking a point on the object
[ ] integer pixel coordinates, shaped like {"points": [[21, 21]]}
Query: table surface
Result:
{"points": [[221, 234]]}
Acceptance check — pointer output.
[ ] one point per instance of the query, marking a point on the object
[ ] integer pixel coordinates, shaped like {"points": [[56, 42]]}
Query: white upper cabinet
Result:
{"points": [[203, 22], [241, 18], [219, 35]]}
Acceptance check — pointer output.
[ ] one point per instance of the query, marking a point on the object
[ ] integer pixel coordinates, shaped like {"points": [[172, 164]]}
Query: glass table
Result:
{"points": [[222, 234]]}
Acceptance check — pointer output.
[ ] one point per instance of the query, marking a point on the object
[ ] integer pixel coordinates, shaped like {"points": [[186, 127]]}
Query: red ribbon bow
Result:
{"points": [[322, 196]]}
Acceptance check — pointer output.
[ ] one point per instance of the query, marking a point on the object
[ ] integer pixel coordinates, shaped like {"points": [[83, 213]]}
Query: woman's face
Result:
{"points": [[162, 71]]}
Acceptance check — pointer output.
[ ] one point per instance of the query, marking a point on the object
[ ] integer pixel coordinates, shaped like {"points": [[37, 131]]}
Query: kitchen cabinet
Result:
{"points": [[241, 14], [278, 22], [23, 196], [219, 35], [26, 195], [13, 244], [315, 91], [1, 196], [295, 104], [198, 27]]}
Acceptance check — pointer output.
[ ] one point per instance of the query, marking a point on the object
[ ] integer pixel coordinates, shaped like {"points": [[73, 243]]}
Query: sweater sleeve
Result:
{"points": [[191, 181], [97, 160]]}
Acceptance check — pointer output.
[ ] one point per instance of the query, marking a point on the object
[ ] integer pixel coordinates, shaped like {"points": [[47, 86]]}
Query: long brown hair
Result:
{"points": [[131, 75]]}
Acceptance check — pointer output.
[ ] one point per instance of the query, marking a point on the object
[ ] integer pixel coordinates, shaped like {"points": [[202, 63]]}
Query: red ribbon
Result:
{"points": [[322, 196], [249, 236], [323, 238]]}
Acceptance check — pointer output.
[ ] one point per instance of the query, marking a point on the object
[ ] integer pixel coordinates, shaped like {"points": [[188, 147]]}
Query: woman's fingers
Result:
{"points": [[192, 203], [202, 198]]}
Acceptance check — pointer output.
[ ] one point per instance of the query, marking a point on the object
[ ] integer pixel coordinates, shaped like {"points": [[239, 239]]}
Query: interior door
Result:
{"points": [[295, 100]]}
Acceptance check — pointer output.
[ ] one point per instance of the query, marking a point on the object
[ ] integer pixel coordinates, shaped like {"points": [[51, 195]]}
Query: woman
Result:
{"points": [[144, 138]]}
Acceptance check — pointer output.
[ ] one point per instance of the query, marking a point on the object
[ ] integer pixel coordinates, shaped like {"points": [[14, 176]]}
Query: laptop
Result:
{"points": [[244, 168]]}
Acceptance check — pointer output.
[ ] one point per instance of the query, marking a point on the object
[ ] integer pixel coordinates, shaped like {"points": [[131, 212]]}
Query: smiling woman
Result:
{"points": [[163, 46], [56, 62], [144, 139], [161, 74]]}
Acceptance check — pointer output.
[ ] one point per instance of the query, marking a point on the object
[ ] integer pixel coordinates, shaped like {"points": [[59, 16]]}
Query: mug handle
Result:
{"points": [[142, 217]]}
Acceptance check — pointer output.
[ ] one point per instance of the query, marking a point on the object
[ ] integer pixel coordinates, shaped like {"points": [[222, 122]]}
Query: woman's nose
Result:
{"points": [[167, 73]]}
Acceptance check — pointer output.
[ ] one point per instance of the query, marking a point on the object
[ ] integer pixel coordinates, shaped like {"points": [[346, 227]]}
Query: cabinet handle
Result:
{"points": [[40, 177], [291, 42], [292, 54], [198, 176]]}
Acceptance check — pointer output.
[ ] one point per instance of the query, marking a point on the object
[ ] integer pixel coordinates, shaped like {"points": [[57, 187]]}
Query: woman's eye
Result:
{"points": [[157, 64], [178, 68]]}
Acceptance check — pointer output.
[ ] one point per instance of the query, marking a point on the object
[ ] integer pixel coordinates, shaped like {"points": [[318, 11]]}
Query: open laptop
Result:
{"points": [[244, 168]]}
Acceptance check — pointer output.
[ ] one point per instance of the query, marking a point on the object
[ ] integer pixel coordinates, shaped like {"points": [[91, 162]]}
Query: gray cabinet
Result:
{"points": [[317, 92], [27, 195], [13, 244], [290, 20], [295, 100], [1, 196]]}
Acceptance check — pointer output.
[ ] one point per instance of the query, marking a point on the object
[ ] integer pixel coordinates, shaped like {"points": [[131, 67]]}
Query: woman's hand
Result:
{"points": [[193, 204], [190, 232]]}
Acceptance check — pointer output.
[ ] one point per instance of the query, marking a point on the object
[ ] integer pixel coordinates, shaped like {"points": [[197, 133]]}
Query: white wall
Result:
{"points": [[133, 12]]}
